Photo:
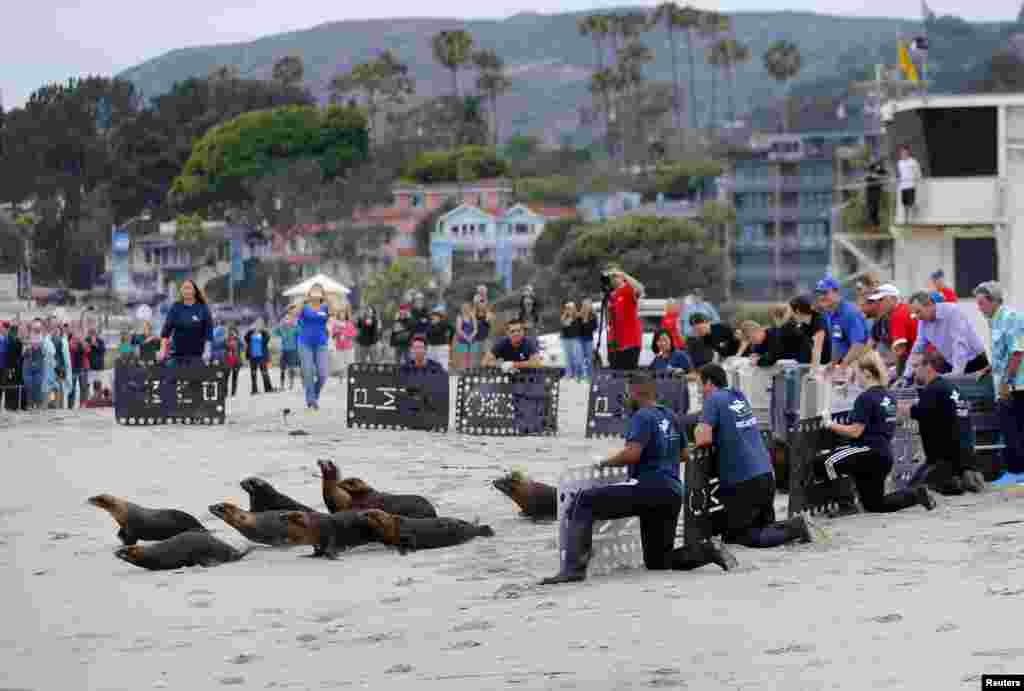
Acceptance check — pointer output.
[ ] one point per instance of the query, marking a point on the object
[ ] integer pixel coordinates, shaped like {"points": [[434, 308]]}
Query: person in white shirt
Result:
{"points": [[909, 174]]}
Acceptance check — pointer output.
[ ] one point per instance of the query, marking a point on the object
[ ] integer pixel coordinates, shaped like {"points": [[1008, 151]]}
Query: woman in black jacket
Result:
{"points": [[368, 330]]}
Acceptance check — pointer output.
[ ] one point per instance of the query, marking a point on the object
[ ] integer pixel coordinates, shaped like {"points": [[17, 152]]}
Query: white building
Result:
{"points": [[969, 214]]}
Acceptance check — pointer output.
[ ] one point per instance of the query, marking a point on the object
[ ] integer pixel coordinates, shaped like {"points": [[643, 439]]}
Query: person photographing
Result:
{"points": [[625, 332], [313, 343], [654, 491]]}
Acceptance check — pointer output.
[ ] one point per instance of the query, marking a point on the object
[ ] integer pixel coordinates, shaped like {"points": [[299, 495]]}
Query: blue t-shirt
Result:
{"points": [[313, 326], [677, 360], [876, 410], [847, 328], [656, 429], [256, 346], [189, 327], [742, 454], [505, 351]]}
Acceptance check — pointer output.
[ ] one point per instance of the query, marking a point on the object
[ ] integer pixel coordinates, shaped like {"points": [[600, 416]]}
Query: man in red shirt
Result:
{"points": [[939, 286], [894, 327], [625, 332]]}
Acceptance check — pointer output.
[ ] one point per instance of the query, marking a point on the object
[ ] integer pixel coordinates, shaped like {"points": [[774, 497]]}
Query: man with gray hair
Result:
{"points": [[947, 328], [1007, 375]]}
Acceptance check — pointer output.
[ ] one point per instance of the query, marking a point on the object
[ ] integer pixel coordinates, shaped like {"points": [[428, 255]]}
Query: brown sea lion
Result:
{"points": [[328, 534], [263, 497], [264, 527], [139, 523], [185, 549], [423, 533], [535, 499], [354, 494]]}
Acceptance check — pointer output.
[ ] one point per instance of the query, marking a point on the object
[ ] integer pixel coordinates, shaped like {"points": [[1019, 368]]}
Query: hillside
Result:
{"points": [[549, 61]]}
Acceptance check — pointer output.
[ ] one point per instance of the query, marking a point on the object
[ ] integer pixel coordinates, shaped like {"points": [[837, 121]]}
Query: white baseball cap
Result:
{"points": [[886, 290]]}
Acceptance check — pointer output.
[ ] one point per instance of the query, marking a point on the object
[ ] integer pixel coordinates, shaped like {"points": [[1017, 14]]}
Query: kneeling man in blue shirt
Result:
{"points": [[746, 477], [654, 491]]}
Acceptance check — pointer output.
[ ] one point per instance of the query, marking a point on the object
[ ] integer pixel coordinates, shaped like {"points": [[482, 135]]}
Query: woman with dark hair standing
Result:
{"points": [[188, 328], [588, 325], [868, 457]]}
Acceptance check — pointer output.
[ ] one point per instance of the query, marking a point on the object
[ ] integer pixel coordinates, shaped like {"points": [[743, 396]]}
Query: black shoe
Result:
{"points": [[951, 488], [801, 528], [564, 578], [721, 555], [973, 481], [843, 510], [924, 498]]}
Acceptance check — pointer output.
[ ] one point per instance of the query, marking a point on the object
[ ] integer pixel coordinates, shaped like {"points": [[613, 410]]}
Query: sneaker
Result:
{"points": [[973, 481], [803, 528], [720, 555], [1007, 480], [924, 498]]}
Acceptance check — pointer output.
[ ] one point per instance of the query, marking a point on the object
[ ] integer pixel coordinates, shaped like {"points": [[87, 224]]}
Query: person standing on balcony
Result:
{"points": [[909, 174], [874, 180], [1007, 376]]}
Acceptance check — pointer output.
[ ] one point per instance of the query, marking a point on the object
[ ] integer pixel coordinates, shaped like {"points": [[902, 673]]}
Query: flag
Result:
{"points": [[841, 111], [926, 12], [906, 64]]}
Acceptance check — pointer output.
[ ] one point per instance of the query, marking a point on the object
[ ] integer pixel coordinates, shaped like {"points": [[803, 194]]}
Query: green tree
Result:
{"points": [[712, 26], [386, 289], [782, 61], [453, 50], [464, 164], [555, 236], [669, 14], [492, 83], [257, 143], [289, 70], [686, 19], [384, 82]]}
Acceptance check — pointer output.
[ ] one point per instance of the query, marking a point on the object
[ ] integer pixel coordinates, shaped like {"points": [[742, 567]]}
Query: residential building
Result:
{"points": [[602, 206], [784, 190], [501, 236]]}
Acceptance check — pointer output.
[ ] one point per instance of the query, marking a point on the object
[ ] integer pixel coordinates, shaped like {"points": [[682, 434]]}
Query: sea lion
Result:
{"points": [[139, 523], [264, 527], [185, 549], [263, 497], [423, 533], [329, 534], [354, 494], [535, 499]]}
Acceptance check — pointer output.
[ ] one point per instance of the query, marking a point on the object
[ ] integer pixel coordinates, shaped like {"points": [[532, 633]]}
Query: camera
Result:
{"points": [[606, 282]]}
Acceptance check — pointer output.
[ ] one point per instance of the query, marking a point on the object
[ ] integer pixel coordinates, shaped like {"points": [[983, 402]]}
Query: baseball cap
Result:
{"points": [[938, 273], [826, 284], [697, 318], [886, 290]]}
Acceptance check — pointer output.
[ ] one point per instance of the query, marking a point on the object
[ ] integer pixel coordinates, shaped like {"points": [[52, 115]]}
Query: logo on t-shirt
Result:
{"points": [[195, 317], [962, 407]]}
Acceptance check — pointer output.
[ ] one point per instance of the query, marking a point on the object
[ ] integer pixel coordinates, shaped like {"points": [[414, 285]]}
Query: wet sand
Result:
{"points": [[907, 601]]}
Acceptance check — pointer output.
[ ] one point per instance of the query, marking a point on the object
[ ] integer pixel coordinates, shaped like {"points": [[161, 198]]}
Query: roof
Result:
{"points": [[958, 101]]}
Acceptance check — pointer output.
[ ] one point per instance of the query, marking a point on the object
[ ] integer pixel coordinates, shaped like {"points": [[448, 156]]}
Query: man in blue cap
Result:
{"points": [[846, 324]]}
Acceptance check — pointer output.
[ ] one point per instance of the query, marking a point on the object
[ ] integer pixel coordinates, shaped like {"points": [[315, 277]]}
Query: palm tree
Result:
{"points": [[668, 14], [783, 62], [492, 82], [689, 19], [713, 25], [288, 70], [452, 50], [383, 81], [598, 27], [727, 53]]}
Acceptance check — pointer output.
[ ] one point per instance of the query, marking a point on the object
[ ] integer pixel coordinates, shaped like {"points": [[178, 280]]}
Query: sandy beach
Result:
{"points": [[914, 600]]}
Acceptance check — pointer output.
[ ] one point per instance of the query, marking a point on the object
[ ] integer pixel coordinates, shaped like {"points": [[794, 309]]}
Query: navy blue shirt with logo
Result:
{"points": [[655, 428], [876, 410], [189, 327], [944, 418], [504, 350], [742, 454]]}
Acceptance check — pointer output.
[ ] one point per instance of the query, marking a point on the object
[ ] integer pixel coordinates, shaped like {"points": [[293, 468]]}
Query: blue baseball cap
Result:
{"points": [[826, 284]]}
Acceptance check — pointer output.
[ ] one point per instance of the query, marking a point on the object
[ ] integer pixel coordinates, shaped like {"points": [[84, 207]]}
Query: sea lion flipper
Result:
{"points": [[406, 544], [127, 539]]}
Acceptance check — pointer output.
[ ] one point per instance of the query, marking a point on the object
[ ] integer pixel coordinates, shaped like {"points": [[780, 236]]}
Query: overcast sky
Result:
{"points": [[50, 40]]}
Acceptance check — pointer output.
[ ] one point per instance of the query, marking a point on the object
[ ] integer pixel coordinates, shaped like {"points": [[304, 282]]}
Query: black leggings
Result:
{"points": [[749, 515], [657, 506], [869, 469], [626, 359], [260, 365]]}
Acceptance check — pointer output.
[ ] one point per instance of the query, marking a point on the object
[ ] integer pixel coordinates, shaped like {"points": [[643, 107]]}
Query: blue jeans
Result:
{"points": [[314, 370], [82, 378], [573, 349], [34, 386], [586, 346], [1011, 423]]}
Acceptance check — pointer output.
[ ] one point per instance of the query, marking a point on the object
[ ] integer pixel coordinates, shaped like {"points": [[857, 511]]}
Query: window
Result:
{"points": [[949, 142], [977, 261], [417, 200]]}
